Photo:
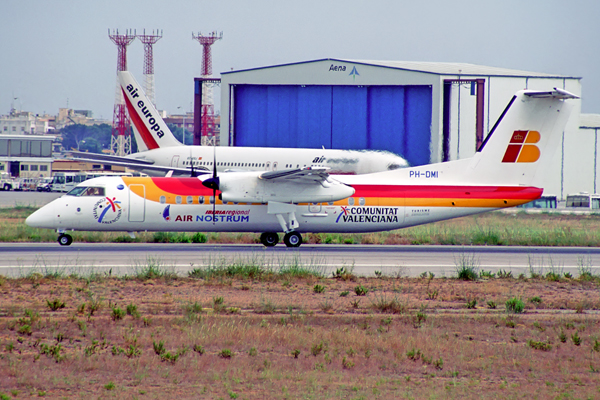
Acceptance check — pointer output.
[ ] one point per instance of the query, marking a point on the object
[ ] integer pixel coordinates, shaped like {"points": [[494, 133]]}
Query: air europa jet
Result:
{"points": [[507, 170], [163, 153]]}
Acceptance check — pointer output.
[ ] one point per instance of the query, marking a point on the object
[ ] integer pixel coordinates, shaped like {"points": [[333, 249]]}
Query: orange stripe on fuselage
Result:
{"points": [[373, 195]]}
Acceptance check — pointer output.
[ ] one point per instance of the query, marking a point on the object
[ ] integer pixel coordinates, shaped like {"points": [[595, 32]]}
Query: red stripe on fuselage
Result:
{"points": [[183, 186], [140, 126], [441, 192]]}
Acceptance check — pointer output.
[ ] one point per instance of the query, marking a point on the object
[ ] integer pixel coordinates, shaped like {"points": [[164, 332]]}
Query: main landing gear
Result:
{"points": [[64, 239], [291, 239]]}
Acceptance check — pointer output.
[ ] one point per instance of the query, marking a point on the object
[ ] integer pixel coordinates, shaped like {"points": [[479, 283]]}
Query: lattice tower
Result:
{"points": [[208, 107], [149, 40], [121, 137]]}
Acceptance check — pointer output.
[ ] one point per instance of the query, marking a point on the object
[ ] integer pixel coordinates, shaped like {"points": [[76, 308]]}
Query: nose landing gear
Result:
{"points": [[64, 239]]}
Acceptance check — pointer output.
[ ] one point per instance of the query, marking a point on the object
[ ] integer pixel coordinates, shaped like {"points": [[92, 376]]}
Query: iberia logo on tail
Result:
{"points": [[521, 147]]}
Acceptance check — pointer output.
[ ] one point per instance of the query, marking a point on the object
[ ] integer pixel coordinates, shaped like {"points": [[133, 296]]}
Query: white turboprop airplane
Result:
{"points": [[506, 171], [162, 152]]}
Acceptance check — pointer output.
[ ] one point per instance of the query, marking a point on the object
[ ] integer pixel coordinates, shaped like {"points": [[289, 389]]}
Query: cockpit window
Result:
{"points": [[86, 191], [76, 191]]}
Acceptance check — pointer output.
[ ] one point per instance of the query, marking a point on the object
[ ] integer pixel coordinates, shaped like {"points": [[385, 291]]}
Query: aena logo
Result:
{"points": [[522, 148]]}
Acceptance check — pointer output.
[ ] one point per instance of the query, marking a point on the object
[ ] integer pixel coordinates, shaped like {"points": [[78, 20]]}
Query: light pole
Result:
{"points": [[183, 133]]}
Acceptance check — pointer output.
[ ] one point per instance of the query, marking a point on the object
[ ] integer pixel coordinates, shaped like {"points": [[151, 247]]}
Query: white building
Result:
{"points": [[27, 156], [23, 123], [427, 112]]}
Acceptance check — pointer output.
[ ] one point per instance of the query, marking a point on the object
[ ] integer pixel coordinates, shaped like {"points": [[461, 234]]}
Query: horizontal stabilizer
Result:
{"points": [[556, 94]]}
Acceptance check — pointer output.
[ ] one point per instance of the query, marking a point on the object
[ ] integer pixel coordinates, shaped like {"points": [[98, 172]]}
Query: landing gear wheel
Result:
{"points": [[269, 239], [65, 240], [292, 239]]}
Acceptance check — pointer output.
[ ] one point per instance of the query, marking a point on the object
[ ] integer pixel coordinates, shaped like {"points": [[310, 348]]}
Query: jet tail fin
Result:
{"points": [[520, 147], [148, 125]]}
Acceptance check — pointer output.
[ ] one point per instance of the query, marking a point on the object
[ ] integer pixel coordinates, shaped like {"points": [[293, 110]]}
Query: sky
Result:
{"points": [[57, 54]]}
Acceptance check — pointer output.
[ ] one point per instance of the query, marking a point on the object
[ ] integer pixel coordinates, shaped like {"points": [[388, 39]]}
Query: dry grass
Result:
{"points": [[255, 339], [492, 229]]}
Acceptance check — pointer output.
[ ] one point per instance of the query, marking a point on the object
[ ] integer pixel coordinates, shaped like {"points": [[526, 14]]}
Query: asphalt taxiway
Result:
{"points": [[20, 259]]}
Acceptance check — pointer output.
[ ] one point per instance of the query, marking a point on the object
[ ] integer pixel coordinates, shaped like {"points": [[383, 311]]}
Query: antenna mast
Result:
{"points": [[208, 108], [121, 138], [148, 41]]}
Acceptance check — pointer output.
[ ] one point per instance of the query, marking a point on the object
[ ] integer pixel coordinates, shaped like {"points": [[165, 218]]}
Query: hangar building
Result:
{"points": [[426, 112]]}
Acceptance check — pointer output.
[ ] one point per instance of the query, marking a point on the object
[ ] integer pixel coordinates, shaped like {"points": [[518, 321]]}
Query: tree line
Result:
{"points": [[95, 138]]}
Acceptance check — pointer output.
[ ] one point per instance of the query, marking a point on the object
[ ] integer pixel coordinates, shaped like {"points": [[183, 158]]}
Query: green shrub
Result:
{"points": [[55, 304], [199, 237], [361, 290], [132, 310], [117, 314], [539, 345], [225, 353], [515, 305], [319, 288]]}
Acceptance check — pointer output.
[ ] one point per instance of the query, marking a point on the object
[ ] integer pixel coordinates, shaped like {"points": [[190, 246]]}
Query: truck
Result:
{"points": [[7, 182]]}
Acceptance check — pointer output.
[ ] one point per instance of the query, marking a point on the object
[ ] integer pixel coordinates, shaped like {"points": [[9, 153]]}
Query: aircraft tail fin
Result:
{"points": [[148, 125], [520, 147]]}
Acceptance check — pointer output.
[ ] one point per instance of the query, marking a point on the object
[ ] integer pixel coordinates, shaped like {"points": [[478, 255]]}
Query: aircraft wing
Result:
{"points": [[138, 164], [306, 174]]}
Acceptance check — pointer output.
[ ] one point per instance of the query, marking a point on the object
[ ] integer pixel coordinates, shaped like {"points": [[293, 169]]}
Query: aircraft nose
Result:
{"points": [[42, 218]]}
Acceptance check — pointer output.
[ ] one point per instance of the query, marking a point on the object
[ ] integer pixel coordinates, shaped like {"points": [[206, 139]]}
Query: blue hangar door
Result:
{"points": [[393, 118]]}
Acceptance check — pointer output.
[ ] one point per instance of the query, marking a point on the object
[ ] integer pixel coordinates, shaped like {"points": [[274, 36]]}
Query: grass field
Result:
{"points": [[486, 229]]}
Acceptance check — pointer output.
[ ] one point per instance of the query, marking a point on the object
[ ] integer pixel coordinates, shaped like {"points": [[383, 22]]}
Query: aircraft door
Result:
{"points": [[137, 203], [175, 161], [314, 207]]}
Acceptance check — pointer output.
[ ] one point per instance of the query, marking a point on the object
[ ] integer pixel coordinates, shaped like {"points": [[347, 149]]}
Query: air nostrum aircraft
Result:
{"points": [[507, 170]]}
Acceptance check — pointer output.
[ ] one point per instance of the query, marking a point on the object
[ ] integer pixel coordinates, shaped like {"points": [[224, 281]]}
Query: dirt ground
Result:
{"points": [[311, 338]]}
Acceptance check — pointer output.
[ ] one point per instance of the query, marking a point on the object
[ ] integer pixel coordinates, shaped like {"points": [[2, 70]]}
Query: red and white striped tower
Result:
{"points": [[208, 106], [148, 41], [121, 138]]}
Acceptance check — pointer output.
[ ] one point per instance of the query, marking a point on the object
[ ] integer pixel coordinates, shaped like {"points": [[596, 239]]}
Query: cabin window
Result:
{"points": [[211, 200], [178, 199], [189, 200], [163, 199], [351, 201], [200, 199], [361, 201]]}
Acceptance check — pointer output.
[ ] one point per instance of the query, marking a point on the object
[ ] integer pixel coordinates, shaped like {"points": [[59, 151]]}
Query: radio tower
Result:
{"points": [[148, 41], [208, 108], [120, 143]]}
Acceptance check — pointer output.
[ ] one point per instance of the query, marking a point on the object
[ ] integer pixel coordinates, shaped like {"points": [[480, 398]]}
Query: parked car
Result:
{"points": [[44, 184], [28, 183]]}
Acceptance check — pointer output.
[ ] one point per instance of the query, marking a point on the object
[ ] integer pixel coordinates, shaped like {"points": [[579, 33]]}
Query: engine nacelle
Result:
{"points": [[250, 188]]}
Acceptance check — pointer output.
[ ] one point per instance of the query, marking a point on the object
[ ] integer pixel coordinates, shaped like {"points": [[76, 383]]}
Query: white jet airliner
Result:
{"points": [[506, 171], [163, 153]]}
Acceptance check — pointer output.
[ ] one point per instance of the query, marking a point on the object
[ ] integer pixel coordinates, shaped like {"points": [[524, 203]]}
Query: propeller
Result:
{"points": [[213, 183], [193, 173]]}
